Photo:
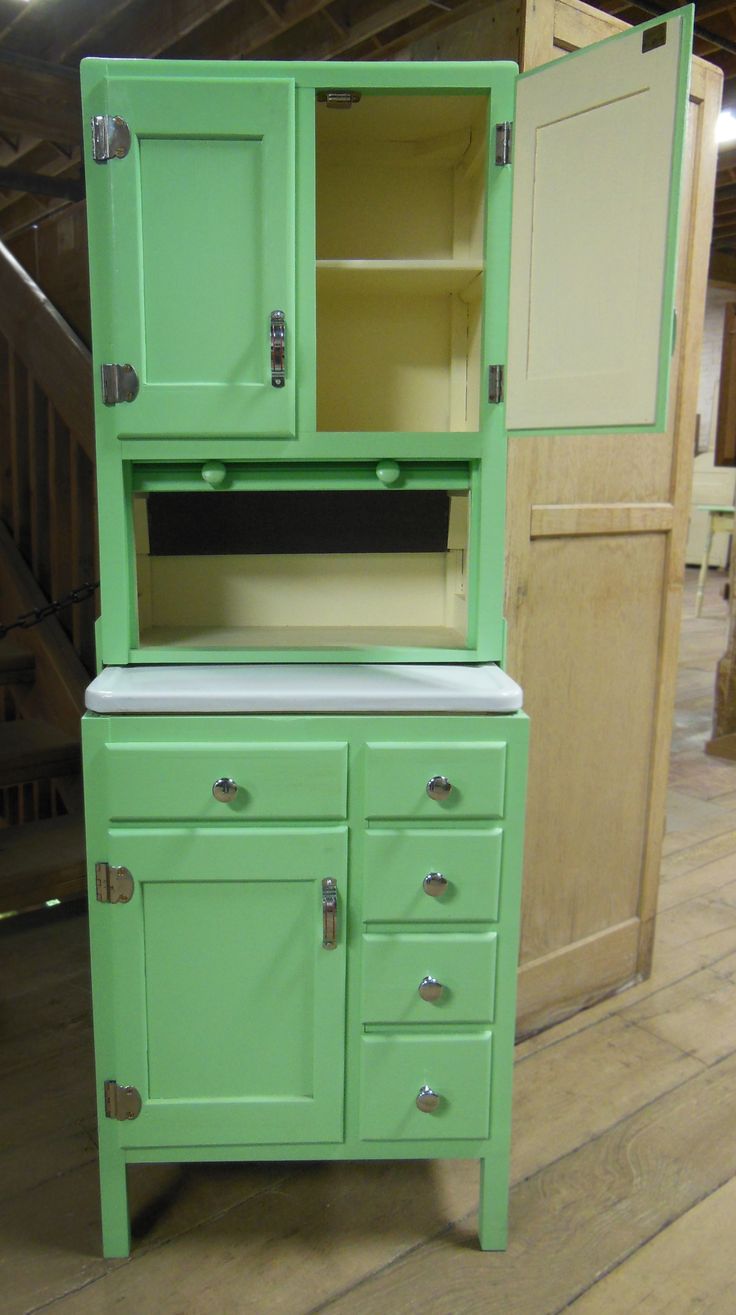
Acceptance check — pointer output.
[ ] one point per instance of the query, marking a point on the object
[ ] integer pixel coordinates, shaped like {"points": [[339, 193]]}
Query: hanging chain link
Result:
{"points": [[39, 614]]}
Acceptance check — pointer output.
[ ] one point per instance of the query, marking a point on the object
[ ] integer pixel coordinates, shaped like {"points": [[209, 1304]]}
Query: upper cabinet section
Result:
{"points": [[192, 254], [597, 164], [401, 184]]}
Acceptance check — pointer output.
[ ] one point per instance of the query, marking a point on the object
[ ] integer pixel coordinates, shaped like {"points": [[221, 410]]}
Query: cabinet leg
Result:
{"points": [[114, 1203], [493, 1207]]}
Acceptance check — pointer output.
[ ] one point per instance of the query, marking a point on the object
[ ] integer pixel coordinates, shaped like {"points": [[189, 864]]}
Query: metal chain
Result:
{"points": [[39, 614]]}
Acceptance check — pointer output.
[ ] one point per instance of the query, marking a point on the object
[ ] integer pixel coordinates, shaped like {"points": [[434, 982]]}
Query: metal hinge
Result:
{"points": [[338, 100], [110, 138], [495, 383], [122, 1102], [503, 143], [114, 885], [119, 384]]}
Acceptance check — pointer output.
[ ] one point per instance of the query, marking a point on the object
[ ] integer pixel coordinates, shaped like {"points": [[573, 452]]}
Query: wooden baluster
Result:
{"points": [[60, 529], [21, 496], [6, 495], [39, 432]]}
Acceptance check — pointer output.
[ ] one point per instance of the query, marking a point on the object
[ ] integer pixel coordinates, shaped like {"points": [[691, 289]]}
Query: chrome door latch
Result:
{"points": [[278, 348], [329, 914]]}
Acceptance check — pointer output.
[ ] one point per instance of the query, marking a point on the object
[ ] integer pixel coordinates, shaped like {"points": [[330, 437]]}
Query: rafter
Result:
{"points": [[235, 32], [137, 28], [17, 180], [40, 99]]}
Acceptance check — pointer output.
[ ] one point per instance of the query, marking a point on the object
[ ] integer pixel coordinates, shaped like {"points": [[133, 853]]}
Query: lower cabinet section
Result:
{"points": [[274, 981]]}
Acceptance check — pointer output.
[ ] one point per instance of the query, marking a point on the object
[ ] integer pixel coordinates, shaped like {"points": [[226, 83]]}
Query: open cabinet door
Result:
{"points": [[599, 138]]}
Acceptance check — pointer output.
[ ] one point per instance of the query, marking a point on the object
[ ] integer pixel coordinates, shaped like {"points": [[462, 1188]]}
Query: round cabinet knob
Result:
{"points": [[431, 989], [435, 883], [214, 473], [428, 1100], [438, 787], [224, 789], [388, 472]]}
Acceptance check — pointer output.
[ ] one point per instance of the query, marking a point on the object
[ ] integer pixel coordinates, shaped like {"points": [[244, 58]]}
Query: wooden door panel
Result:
{"points": [[597, 158]]}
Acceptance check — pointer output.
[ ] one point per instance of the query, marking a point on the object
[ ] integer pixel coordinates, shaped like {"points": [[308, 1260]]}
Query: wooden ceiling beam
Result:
{"points": [[45, 28], [366, 28], [139, 29], [393, 45], [18, 180], [233, 32], [40, 99], [23, 211], [44, 159]]}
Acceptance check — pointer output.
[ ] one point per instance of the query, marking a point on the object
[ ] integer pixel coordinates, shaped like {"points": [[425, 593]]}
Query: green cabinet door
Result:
{"points": [[192, 250], [228, 1010]]}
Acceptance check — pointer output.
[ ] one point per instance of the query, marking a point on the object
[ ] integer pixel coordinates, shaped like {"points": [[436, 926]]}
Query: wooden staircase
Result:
{"points": [[40, 766], [47, 548]]}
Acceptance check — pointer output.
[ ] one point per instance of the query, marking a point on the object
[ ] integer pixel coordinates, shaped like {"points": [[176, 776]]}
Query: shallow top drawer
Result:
{"points": [[435, 780], [176, 781]]}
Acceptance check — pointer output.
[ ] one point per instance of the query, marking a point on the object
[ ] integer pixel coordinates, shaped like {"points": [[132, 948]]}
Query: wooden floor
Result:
{"points": [[624, 1149]]}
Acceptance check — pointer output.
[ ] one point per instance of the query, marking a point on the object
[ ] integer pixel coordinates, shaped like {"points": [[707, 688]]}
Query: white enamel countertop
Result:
{"points": [[304, 688]]}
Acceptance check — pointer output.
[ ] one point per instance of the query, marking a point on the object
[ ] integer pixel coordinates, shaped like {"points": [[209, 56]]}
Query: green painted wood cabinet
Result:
{"points": [[215, 995], [320, 295], [343, 277]]}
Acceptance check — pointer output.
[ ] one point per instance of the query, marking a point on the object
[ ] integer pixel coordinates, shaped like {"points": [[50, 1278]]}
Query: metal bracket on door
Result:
{"points": [[110, 138], [113, 885], [119, 383], [122, 1103], [338, 100], [329, 913]]}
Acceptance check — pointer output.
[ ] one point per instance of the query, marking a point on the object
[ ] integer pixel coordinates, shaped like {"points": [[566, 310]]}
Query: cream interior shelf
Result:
{"points": [[399, 276]]}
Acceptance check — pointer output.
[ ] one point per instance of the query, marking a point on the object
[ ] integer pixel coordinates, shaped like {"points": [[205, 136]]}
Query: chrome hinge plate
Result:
{"points": [[110, 138], [119, 383], [495, 383], [338, 100], [122, 1103], [503, 143], [114, 885]]}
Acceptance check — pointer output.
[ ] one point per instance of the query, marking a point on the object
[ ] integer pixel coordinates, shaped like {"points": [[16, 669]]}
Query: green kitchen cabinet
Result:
{"points": [[255, 996], [314, 278], [322, 294]]}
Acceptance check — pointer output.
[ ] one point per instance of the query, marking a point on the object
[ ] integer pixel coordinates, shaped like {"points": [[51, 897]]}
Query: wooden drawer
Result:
{"points": [[397, 862], [173, 782], [396, 777], [395, 1067], [395, 964]]}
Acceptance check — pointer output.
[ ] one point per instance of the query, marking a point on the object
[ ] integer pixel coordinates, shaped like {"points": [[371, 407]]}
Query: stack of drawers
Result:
{"points": [[431, 887]]}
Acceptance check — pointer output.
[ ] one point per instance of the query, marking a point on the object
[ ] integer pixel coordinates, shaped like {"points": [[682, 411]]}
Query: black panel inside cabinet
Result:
{"points": [[202, 524]]}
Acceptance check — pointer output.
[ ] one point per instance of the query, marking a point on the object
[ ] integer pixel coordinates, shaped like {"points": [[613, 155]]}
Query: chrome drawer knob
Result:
{"points": [[431, 989], [435, 883], [224, 789], [427, 1100], [438, 787]]}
